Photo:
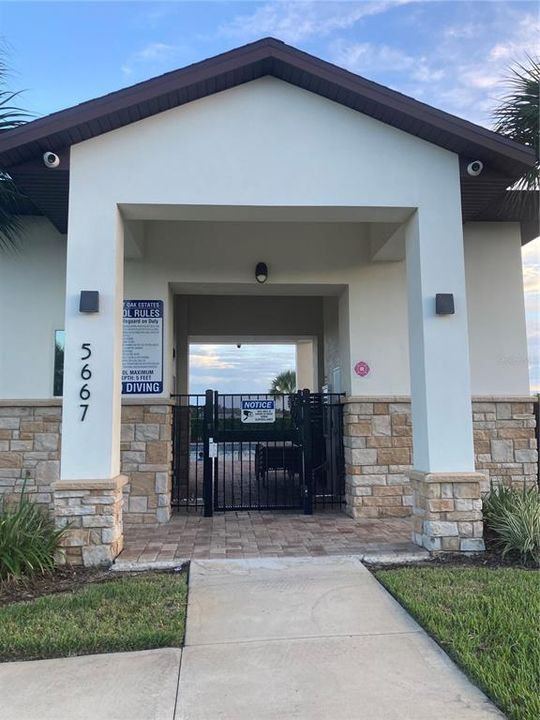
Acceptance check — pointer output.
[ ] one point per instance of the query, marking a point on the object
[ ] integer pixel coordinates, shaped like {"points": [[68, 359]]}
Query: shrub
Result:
{"points": [[513, 517], [29, 540]]}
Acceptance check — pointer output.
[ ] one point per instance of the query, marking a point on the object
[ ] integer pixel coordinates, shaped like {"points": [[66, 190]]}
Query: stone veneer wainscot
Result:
{"points": [[378, 456], [30, 439], [378, 450]]}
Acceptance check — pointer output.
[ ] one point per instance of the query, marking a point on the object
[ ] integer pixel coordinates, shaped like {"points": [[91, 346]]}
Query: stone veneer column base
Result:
{"points": [[447, 511], [91, 510], [146, 458]]}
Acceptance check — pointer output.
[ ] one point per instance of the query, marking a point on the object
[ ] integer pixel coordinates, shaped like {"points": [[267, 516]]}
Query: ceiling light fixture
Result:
{"points": [[261, 272]]}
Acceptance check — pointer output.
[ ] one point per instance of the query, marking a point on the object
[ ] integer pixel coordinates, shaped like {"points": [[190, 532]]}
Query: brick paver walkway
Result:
{"points": [[263, 534]]}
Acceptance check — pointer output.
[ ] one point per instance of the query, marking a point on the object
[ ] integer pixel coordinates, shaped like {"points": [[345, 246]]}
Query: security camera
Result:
{"points": [[475, 167], [51, 160]]}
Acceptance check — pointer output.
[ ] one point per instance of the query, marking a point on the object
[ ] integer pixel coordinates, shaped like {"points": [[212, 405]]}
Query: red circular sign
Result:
{"points": [[361, 368]]}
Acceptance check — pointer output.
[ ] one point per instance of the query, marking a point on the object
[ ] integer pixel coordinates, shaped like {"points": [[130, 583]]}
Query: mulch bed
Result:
{"points": [[62, 579], [69, 578], [489, 559], [65, 578]]}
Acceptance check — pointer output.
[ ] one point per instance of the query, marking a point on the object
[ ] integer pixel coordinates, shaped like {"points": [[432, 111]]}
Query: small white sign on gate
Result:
{"points": [[258, 411]]}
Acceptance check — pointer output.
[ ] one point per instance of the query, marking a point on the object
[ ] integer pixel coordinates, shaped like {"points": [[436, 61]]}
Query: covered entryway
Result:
{"points": [[258, 452]]}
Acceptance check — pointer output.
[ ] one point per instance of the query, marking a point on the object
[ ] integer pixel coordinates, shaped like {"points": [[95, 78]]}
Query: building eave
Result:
{"points": [[21, 149]]}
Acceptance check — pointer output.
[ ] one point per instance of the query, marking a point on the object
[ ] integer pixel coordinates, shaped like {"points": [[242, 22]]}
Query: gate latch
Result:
{"points": [[212, 448]]}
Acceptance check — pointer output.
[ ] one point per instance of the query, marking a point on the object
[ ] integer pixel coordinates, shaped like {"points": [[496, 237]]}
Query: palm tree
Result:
{"points": [[517, 115], [11, 200], [284, 383]]}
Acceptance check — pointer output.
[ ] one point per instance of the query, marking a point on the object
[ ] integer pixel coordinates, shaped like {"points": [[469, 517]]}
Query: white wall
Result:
{"points": [[265, 143], [241, 315], [332, 255], [314, 258], [306, 366], [32, 289], [497, 331], [378, 322], [331, 347], [32, 292], [262, 143], [194, 257]]}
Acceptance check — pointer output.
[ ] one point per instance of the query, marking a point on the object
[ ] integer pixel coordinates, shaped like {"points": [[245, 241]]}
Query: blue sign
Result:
{"points": [[258, 411], [142, 356]]}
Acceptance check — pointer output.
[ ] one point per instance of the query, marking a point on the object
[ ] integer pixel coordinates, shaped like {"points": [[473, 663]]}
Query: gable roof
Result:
{"points": [[21, 149]]}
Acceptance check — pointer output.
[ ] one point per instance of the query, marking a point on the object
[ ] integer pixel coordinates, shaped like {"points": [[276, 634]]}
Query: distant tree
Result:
{"points": [[284, 383], [517, 115], [11, 200]]}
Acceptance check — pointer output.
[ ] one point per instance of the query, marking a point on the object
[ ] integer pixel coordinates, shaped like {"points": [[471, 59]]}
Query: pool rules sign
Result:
{"points": [[142, 356]]}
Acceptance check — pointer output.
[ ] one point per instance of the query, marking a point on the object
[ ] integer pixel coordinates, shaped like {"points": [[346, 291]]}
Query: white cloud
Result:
{"points": [[465, 30], [210, 360], [154, 55], [480, 79], [296, 21], [478, 63], [523, 38], [362, 56], [372, 59], [248, 369], [459, 70]]}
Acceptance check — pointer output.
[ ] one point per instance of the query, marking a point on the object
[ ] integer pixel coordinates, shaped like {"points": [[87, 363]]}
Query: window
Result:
{"points": [[58, 381]]}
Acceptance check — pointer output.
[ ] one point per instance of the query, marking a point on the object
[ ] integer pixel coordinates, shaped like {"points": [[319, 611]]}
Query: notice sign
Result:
{"points": [[258, 411], [142, 357]]}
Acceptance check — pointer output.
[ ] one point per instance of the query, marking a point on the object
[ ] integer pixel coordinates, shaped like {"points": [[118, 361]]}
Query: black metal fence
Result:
{"points": [[229, 454]]}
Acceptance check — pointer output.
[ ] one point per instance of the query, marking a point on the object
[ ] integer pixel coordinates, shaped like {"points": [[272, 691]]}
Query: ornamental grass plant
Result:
{"points": [[29, 540], [512, 519]]}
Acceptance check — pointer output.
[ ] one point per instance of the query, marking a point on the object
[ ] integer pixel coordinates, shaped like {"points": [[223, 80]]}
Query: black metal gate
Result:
{"points": [[230, 455]]}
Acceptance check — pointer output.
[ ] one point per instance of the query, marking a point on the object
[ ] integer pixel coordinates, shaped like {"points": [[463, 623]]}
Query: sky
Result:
{"points": [[233, 369], [449, 54]]}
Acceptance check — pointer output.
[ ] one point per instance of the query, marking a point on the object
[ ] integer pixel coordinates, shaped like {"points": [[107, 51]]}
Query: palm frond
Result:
{"points": [[11, 199], [10, 115], [517, 115], [11, 204], [284, 383]]}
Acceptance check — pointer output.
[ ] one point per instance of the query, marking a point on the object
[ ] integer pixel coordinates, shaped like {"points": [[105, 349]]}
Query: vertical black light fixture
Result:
{"points": [[89, 301], [444, 304]]}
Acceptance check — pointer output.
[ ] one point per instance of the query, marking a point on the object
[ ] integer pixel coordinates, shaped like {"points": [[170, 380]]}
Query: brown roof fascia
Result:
{"points": [[126, 98], [267, 56]]}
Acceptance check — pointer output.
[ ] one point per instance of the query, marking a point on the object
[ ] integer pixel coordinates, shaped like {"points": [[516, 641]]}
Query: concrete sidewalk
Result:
{"points": [[311, 639], [118, 686], [267, 639]]}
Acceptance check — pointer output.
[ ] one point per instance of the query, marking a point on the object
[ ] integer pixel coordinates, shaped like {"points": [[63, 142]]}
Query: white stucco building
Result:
{"points": [[363, 205]]}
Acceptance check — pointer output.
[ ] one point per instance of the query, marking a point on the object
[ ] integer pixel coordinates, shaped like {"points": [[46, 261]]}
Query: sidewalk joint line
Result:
{"points": [[302, 637]]}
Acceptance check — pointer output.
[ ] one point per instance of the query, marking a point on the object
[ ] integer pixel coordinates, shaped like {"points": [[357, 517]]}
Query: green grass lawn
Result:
{"points": [[488, 620], [125, 613]]}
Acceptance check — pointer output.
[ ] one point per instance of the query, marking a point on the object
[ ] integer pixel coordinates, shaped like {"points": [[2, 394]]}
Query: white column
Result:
{"points": [[95, 258], [305, 365], [438, 345]]}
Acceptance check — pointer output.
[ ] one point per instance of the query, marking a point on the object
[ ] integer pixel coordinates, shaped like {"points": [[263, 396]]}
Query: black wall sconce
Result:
{"points": [[444, 304], [261, 272], [89, 301]]}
